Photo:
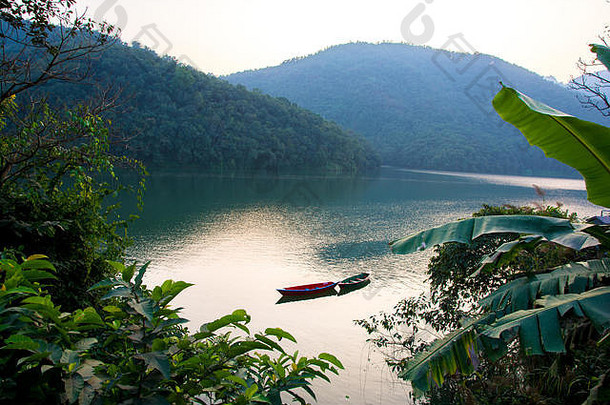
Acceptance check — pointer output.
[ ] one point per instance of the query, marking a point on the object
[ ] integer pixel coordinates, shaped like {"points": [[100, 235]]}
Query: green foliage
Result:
{"points": [[556, 313], [557, 230], [581, 144], [133, 347], [486, 342], [174, 116], [58, 189], [603, 54], [118, 341], [538, 328], [41, 38], [456, 352], [569, 278]]}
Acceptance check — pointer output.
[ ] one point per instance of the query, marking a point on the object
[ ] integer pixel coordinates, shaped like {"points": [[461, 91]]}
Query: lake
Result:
{"points": [[239, 238]]}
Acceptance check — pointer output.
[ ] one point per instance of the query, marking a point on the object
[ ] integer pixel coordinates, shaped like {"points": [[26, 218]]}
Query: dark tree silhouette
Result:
{"points": [[44, 40], [593, 84]]}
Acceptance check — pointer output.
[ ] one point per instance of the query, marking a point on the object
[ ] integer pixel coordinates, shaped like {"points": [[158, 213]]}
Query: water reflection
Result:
{"points": [[239, 238]]}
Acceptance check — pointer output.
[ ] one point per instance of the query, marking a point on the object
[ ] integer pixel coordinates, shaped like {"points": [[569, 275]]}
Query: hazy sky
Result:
{"points": [[225, 36]]}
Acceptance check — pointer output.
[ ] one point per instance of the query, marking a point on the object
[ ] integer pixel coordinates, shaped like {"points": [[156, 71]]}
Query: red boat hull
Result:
{"points": [[307, 289]]}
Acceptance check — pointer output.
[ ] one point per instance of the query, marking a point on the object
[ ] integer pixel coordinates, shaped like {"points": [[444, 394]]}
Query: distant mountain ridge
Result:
{"points": [[176, 117], [421, 107]]}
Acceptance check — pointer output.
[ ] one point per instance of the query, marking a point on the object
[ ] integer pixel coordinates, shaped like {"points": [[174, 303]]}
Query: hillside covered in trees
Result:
{"points": [[170, 115], [420, 107]]}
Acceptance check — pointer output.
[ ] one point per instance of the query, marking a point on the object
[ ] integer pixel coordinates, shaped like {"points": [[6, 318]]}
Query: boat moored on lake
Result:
{"points": [[354, 281], [307, 289]]}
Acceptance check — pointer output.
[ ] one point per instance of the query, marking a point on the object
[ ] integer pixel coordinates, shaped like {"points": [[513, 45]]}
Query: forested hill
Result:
{"points": [[175, 116], [420, 107]]}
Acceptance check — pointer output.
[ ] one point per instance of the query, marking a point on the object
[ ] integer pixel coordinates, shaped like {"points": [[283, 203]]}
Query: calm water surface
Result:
{"points": [[239, 238]]}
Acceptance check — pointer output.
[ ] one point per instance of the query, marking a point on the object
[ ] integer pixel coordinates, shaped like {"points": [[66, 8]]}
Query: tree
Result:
{"points": [[593, 84], [57, 176], [553, 307], [41, 39], [117, 341]]}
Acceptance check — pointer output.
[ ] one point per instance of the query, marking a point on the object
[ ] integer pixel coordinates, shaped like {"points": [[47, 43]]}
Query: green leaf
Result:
{"points": [[85, 344], [269, 342], [251, 391], [603, 54], [570, 278], [117, 292], [87, 316], [169, 290], [127, 273], [456, 352], [237, 316], [157, 361], [331, 359], [74, 384], [36, 257], [42, 305], [280, 334], [159, 345], [237, 380], [21, 342], [41, 301], [112, 309], [144, 307], [557, 230], [37, 275], [539, 328], [21, 290], [581, 144], [239, 348], [507, 252], [140, 276], [38, 264], [104, 283]]}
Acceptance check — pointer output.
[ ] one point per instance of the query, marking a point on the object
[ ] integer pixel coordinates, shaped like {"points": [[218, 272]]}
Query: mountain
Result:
{"points": [[421, 107], [175, 116]]}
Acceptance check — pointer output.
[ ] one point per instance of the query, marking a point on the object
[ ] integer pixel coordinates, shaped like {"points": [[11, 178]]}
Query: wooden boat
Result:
{"points": [[354, 281], [307, 289]]}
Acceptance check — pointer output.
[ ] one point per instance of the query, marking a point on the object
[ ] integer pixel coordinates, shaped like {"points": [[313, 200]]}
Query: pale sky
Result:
{"points": [[226, 36]]}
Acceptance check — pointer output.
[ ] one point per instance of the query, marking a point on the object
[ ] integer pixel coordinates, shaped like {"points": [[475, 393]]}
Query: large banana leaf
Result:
{"points": [[603, 54], [521, 293], [557, 230], [508, 251], [456, 352], [539, 329], [581, 144]]}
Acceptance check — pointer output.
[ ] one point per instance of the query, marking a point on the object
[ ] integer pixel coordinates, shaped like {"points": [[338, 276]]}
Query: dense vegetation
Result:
{"points": [[510, 375], [77, 325], [420, 107], [517, 310], [175, 116]]}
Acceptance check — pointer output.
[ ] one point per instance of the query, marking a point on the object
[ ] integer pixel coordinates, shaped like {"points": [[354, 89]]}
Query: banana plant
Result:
{"points": [[537, 327], [520, 294], [456, 352], [578, 143], [603, 54], [558, 230], [530, 307]]}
